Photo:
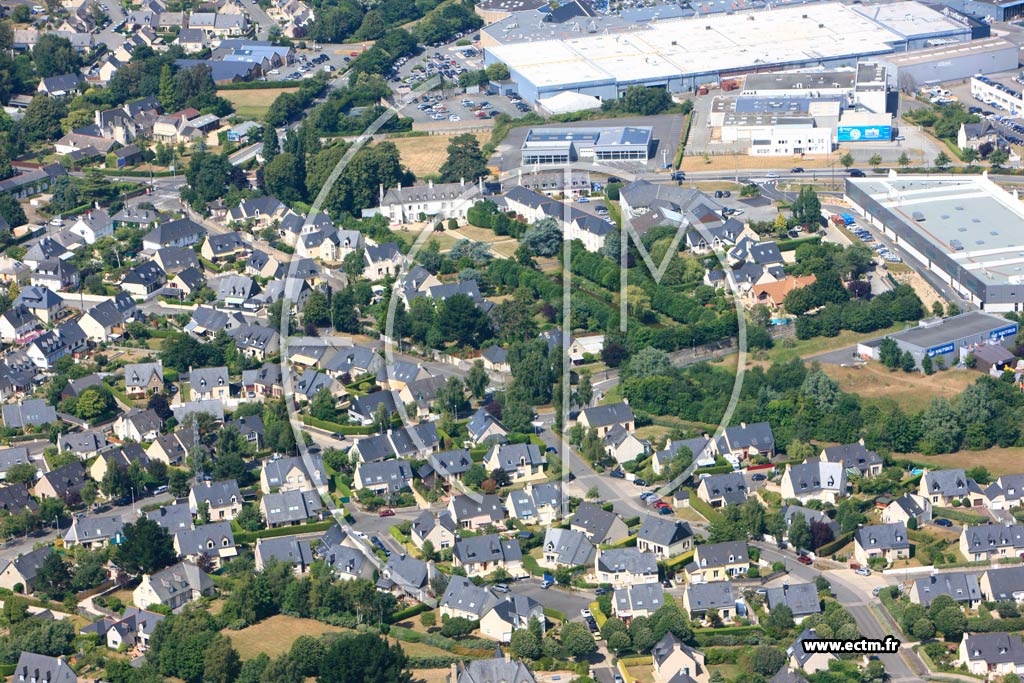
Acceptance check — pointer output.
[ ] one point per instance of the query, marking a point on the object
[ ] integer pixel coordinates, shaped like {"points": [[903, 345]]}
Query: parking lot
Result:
{"points": [[310, 62]]}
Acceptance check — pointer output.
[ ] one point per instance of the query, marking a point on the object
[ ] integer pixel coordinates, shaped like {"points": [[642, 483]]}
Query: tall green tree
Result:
{"points": [[167, 94], [364, 658], [466, 161], [55, 56], [271, 145], [145, 548]]}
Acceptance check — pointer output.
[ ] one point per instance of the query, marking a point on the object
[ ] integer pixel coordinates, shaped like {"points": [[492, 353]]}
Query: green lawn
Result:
{"points": [[817, 345]]}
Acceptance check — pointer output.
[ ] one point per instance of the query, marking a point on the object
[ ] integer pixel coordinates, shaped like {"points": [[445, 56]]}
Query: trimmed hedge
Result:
{"points": [[554, 615], [403, 614], [791, 245], [252, 536], [637, 660], [681, 560], [713, 469], [326, 425], [960, 516], [599, 616], [835, 545]]}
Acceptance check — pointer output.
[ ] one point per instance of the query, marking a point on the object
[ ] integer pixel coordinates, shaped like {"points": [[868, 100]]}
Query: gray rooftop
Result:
{"points": [[801, 598]]}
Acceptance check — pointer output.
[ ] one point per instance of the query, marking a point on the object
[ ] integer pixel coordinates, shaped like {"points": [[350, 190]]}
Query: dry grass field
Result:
{"points": [[424, 155], [275, 635], [998, 461], [912, 391], [253, 104]]}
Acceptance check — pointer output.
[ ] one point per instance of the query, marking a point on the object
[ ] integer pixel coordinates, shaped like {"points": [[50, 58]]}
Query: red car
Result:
{"points": [[353, 54], [387, 512], [802, 559]]}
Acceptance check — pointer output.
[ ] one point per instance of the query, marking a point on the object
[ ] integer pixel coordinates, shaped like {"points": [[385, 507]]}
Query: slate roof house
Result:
{"points": [[465, 599], [698, 598], [175, 587], [800, 598], [566, 548], [439, 529], [625, 567], [604, 417], [472, 514], [814, 480], [33, 668], [513, 613], [287, 549], [666, 538], [992, 655], [481, 555], [719, 490], [889, 541], [942, 487], [960, 586], [991, 542], [600, 526], [641, 600], [290, 507], [854, 457], [21, 571], [718, 562]]}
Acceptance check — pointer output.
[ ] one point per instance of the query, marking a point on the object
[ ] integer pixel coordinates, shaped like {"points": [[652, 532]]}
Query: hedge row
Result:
{"points": [[627, 542], [791, 245], [960, 516], [252, 536], [637, 660], [554, 615], [835, 545], [988, 625], [258, 85], [436, 662], [713, 469], [326, 425], [599, 616], [680, 561], [403, 614]]}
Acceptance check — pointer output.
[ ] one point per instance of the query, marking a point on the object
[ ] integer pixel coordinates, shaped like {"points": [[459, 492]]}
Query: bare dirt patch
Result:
{"points": [[912, 391]]}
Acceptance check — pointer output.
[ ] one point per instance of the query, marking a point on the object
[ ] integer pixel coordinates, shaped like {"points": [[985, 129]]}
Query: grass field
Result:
{"points": [[912, 391], [811, 347], [274, 636], [424, 155], [253, 104]]}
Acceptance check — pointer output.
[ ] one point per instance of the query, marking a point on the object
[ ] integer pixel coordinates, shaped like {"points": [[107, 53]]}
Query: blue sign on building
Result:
{"points": [[1003, 332], [940, 350], [864, 133]]}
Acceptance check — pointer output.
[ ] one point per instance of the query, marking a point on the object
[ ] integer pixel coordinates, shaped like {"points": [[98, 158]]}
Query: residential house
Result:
{"points": [[513, 613], [55, 274], [495, 359], [83, 445], [906, 507], [383, 477], [991, 542], [672, 659], [502, 669], [465, 599], [255, 341], [214, 541], [1005, 492], [719, 490], [698, 598], [141, 379], [19, 574], [93, 532], [604, 418], [206, 322], [64, 482], [536, 504], [471, 514], [439, 529], [364, 409], [32, 412], [484, 427], [103, 322], [382, 261], [1004, 583], [408, 576], [625, 567], [992, 655], [354, 362], [482, 555], [854, 457], [33, 668], [263, 382], [41, 302], [814, 480], [133, 629], [313, 381], [183, 232], [889, 541], [92, 225], [623, 445], [138, 425], [413, 443], [642, 600], [521, 462], [566, 548], [800, 598], [291, 507], [287, 549], [187, 282], [172, 517], [144, 280], [718, 562], [209, 384], [60, 86], [961, 586], [293, 474], [746, 441], [222, 498], [172, 449], [174, 587], [409, 204], [16, 323], [251, 428], [772, 294], [666, 538], [599, 525], [9, 457], [447, 467], [809, 662], [221, 247], [174, 260], [942, 487]]}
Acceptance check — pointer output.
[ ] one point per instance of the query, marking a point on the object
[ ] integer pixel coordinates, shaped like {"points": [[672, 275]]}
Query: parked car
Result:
{"points": [[664, 510], [602, 591], [639, 482], [617, 473], [796, 169], [857, 173], [546, 583], [501, 587], [586, 612], [758, 477], [943, 522], [803, 559], [862, 571], [386, 512]]}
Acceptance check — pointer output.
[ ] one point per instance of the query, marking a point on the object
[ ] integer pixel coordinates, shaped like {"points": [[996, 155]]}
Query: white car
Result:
{"points": [[454, 117], [862, 571], [586, 612], [772, 175], [274, 72]]}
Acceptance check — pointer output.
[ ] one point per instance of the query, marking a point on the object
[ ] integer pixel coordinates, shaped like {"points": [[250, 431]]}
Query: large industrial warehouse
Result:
{"points": [[965, 229], [947, 340], [680, 54]]}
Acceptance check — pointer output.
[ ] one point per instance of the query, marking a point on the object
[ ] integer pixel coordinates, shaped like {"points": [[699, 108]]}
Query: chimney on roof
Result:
{"points": [[462, 182], [430, 184]]}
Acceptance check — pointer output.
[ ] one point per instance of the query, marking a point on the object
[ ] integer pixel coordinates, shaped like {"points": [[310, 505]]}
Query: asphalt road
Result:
{"points": [[856, 601]]}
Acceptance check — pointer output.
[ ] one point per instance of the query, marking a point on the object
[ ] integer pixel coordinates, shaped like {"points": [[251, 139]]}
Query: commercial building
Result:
{"points": [[863, 86], [680, 54], [993, 92], [910, 70], [966, 230], [947, 340], [864, 126], [565, 145]]}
